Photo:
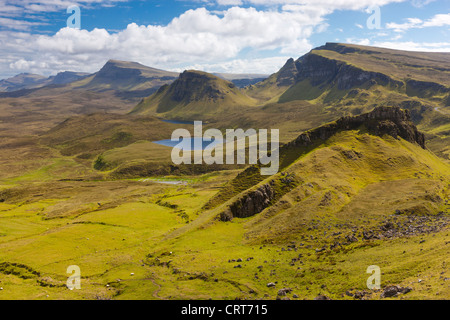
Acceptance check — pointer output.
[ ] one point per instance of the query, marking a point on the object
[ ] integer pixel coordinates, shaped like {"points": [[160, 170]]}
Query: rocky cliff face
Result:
{"points": [[326, 66], [112, 72], [288, 74], [323, 71], [252, 203], [382, 120]]}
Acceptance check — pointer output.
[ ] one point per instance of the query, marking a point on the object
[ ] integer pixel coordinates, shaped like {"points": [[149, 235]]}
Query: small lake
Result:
{"points": [[190, 144], [178, 121]]}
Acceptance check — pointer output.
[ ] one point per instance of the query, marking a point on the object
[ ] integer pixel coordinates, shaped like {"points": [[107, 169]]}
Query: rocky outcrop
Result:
{"points": [[250, 204], [392, 121], [394, 291], [288, 74], [382, 120]]}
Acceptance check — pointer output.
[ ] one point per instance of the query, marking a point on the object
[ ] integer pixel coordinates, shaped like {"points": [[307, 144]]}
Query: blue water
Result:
{"points": [[178, 121], [190, 144]]}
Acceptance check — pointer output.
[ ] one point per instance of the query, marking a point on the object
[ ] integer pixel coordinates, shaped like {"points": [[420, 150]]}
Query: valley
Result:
{"points": [[364, 180]]}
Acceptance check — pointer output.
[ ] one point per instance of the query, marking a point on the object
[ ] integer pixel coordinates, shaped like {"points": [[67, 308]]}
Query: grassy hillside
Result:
{"points": [[194, 94], [363, 181], [354, 200]]}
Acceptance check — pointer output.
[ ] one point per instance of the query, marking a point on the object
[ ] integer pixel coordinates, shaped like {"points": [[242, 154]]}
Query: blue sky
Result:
{"points": [[238, 36]]}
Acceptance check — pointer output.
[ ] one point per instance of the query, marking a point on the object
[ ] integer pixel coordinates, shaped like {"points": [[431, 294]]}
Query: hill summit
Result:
{"points": [[194, 92]]}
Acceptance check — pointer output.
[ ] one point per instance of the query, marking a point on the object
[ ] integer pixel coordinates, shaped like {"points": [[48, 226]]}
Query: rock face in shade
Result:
{"points": [[254, 202], [288, 74]]}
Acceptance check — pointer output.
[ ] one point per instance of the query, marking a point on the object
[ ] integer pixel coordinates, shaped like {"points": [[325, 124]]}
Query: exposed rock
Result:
{"points": [[382, 120], [325, 71], [322, 297], [360, 295], [407, 226], [284, 291], [351, 238], [287, 74], [394, 290], [250, 204]]}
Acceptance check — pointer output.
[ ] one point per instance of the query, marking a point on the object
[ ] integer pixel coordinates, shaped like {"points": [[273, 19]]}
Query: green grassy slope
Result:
{"points": [[194, 94], [143, 239]]}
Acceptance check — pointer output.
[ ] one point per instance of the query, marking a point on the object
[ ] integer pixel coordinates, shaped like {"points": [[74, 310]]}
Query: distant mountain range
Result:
{"points": [[33, 81], [329, 82], [130, 78]]}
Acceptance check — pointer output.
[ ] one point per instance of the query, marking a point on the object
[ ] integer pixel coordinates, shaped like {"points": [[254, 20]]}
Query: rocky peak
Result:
{"points": [[287, 74], [196, 86]]}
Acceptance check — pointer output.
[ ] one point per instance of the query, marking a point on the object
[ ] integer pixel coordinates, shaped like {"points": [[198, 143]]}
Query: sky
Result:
{"points": [[232, 36]]}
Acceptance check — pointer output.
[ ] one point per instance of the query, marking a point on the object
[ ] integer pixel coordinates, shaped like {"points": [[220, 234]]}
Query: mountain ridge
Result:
{"points": [[391, 121], [196, 91]]}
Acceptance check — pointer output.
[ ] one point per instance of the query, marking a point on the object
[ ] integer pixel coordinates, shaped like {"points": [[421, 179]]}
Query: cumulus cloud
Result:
{"points": [[206, 39], [196, 37]]}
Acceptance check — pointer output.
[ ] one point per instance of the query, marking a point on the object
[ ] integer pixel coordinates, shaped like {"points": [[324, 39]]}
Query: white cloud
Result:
{"points": [[229, 2], [416, 46], [421, 3], [196, 36], [330, 5], [438, 20], [33, 6], [405, 45], [209, 40], [15, 24], [402, 27]]}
